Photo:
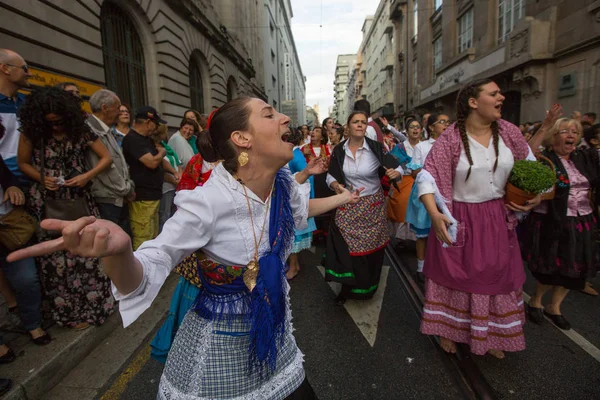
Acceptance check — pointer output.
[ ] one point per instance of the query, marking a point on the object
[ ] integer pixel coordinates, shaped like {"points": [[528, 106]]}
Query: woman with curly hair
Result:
{"points": [[51, 121], [474, 270]]}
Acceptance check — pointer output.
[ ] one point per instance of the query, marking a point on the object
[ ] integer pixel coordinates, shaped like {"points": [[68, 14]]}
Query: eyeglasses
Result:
{"points": [[58, 122], [442, 122], [414, 127], [566, 131], [25, 67]]}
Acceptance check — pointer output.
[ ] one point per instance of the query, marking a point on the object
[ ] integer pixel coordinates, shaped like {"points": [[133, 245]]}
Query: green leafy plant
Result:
{"points": [[532, 176]]}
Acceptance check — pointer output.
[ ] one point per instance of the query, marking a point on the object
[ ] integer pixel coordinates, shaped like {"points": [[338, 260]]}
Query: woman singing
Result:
{"points": [[237, 341], [473, 264]]}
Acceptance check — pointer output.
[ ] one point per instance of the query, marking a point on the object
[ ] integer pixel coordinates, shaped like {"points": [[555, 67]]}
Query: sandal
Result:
{"points": [[8, 357], [42, 340], [81, 326], [559, 321], [589, 290]]}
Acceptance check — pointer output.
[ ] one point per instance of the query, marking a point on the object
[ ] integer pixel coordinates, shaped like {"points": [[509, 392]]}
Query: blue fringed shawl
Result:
{"points": [[265, 307]]}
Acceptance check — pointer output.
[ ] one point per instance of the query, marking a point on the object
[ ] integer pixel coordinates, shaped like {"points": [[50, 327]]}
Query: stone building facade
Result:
{"points": [[341, 108], [284, 81], [172, 54], [539, 52]]}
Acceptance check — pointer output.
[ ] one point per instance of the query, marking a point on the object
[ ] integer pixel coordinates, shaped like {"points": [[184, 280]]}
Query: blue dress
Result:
{"points": [[416, 214], [303, 238]]}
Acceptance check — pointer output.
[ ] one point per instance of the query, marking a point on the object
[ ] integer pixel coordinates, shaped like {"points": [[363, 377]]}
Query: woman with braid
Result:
{"points": [[474, 272]]}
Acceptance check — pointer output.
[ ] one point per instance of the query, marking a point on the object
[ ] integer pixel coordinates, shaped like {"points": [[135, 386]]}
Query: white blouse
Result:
{"points": [[213, 218], [409, 149], [483, 184], [361, 171], [421, 151]]}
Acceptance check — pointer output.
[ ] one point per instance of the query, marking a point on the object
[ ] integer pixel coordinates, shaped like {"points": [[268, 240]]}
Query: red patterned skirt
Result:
{"points": [[355, 246], [482, 321]]}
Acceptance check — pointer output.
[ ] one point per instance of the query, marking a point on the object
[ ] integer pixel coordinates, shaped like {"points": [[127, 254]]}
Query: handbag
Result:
{"points": [[63, 209], [16, 228]]}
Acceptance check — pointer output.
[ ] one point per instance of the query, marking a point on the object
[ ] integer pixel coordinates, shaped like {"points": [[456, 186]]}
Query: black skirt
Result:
{"points": [[561, 256], [359, 275], [304, 392]]}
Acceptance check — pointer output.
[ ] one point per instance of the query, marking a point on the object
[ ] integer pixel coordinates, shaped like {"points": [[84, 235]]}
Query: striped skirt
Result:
{"points": [[483, 322]]}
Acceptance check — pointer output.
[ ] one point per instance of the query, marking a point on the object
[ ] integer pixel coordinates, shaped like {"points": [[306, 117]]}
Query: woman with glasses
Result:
{"points": [[51, 121], [559, 239], [123, 126], [398, 203], [416, 214]]}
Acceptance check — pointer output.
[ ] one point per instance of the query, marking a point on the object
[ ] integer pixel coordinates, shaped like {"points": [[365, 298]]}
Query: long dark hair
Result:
{"points": [[432, 119], [233, 116], [462, 112], [51, 100], [204, 147]]}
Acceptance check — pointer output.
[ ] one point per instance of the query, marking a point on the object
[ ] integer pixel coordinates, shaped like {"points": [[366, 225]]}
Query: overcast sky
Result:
{"points": [[318, 47]]}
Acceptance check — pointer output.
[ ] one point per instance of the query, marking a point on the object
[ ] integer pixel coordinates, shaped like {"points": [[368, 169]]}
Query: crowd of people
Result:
{"points": [[57, 161], [239, 194]]}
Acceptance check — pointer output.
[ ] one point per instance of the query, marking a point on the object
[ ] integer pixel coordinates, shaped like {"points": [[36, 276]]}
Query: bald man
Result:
{"points": [[14, 75], [22, 275]]}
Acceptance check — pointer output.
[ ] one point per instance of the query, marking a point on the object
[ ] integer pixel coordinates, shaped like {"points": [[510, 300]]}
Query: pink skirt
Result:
{"points": [[482, 321], [485, 259]]}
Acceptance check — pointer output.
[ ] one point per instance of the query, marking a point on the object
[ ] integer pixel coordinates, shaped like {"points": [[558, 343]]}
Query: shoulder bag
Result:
{"points": [[63, 209]]}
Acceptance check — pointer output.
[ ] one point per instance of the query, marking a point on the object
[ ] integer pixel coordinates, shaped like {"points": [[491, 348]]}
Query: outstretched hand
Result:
{"points": [[317, 166], [552, 115], [86, 237]]}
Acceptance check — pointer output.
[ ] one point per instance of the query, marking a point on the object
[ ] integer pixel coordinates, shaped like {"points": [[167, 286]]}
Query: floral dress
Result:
{"points": [[76, 288]]}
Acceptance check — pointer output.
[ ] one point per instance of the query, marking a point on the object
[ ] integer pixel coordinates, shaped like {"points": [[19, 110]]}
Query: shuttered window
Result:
{"points": [[124, 66]]}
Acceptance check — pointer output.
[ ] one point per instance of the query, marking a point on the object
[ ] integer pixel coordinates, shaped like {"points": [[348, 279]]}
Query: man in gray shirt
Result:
{"points": [[113, 188]]}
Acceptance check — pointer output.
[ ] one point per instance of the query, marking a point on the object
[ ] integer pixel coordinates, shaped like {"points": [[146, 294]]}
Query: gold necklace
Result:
{"points": [[252, 269]]}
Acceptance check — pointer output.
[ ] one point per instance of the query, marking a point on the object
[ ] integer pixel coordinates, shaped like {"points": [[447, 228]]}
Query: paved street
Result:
{"points": [[374, 351]]}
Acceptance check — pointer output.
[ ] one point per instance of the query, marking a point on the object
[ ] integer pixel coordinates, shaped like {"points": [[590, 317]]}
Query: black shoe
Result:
{"points": [[340, 300], [559, 321], [421, 277], [8, 357], [5, 385], [42, 340], [535, 314]]}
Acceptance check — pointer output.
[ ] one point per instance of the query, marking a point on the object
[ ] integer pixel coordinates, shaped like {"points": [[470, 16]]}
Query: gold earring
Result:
{"points": [[243, 158]]}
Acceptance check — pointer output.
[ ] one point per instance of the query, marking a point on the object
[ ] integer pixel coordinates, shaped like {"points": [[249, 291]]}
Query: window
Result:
{"points": [[437, 54], [272, 56], [415, 76], [415, 19], [465, 31], [231, 89], [196, 87], [438, 4], [124, 66], [272, 29], [509, 13]]}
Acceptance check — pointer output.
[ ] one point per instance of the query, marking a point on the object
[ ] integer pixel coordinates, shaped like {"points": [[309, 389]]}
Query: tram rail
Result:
{"points": [[461, 365]]}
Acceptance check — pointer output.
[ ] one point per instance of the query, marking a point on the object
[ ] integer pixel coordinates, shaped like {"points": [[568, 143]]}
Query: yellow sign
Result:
{"points": [[45, 78]]}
